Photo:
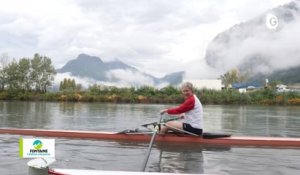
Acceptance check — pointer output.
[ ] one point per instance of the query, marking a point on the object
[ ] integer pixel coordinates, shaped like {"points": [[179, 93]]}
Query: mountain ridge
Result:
{"points": [[86, 66]]}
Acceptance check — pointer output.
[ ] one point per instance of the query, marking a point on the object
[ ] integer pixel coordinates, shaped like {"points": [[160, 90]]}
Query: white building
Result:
{"points": [[281, 88], [213, 84]]}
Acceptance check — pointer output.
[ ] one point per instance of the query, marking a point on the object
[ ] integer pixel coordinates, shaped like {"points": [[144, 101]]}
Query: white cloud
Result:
{"points": [[129, 78], [277, 49], [121, 78], [85, 82], [156, 36]]}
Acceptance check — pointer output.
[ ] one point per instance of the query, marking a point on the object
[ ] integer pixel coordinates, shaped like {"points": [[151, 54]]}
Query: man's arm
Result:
{"points": [[185, 107]]}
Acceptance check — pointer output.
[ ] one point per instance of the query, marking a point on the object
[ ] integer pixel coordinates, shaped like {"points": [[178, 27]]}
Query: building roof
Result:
{"points": [[253, 84]]}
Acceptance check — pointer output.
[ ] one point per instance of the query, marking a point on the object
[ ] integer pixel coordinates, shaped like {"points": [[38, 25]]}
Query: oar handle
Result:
{"points": [[161, 116], [148, 151], [164, 121], [159, 127], [150, 146]]}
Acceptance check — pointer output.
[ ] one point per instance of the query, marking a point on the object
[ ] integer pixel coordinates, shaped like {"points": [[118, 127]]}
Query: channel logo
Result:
{"points": [[37, 148], [272, 21], [37, 144]]}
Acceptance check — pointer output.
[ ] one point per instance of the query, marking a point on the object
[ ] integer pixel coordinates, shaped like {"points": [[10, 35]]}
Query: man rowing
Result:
{"points": [[192, 110]]}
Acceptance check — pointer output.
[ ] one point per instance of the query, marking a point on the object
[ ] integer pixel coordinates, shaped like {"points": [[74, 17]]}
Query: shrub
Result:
{"points": [[294, 101]]}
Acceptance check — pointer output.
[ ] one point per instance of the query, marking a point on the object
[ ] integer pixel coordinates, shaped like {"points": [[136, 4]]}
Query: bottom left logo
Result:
{"points": [[35, 147]]}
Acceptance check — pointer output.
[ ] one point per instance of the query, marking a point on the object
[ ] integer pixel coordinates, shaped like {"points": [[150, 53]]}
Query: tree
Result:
{"points": [[42, 73], [24, 74], [12, 76], [4, 60], [170, 90], [2, 79], [232, 76], [69, 85], [146, 90]]}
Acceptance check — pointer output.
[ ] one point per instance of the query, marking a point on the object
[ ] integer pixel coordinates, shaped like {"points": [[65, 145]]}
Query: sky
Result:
{"points": [[155, 36]]}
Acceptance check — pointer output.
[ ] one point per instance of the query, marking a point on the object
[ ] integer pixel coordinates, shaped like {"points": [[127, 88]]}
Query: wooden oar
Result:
{"points": [[150, 146]]}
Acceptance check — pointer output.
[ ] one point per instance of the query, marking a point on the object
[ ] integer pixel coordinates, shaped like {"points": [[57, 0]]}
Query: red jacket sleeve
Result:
{"points": [[186, 106]]}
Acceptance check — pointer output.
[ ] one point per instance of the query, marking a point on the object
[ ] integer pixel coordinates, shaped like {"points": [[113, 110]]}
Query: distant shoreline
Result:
{"points": [[153, 96]]}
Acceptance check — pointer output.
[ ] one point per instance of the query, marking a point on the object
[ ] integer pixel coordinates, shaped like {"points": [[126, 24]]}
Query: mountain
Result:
{"points": [[91, 67], [173, 78], [287, 76], [258, 50], [86, 66]]}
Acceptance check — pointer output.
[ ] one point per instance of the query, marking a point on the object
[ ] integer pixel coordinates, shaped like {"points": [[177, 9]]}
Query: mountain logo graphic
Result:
{"points": [[37, 144]]}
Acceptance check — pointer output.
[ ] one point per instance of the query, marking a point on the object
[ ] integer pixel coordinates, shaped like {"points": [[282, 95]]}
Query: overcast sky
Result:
{"points": [[155, 36]]}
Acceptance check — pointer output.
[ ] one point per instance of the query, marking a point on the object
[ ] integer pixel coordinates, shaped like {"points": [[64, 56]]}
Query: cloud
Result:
{"points": [[117, 77], [254, 45], [129, 78], [145, 34]]}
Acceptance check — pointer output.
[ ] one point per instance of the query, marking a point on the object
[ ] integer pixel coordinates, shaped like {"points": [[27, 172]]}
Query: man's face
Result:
{"points": [[186, 92]]}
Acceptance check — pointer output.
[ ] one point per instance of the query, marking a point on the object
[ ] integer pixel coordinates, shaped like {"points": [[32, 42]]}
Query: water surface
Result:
{"points": [[113, 155]]}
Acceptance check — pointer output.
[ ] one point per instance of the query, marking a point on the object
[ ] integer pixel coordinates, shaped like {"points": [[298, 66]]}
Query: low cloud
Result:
{"points": [[117, 77], [129, 78], [85, 82], [254, 45]]}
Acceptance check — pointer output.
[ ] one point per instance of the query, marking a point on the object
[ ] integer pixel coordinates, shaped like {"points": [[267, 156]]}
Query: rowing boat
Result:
{"points": [[98, 172], [145, 137]]}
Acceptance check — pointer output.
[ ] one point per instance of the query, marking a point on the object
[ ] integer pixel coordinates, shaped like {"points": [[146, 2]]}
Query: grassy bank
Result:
{"points": [[168, 95]]}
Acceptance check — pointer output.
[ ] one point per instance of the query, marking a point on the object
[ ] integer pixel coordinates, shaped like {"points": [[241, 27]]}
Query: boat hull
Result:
{"points": [[226, 141], [98, 172]]}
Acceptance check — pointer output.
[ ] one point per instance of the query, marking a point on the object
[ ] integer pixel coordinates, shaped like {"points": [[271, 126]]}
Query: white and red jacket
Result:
{"points": [[192, 108]]}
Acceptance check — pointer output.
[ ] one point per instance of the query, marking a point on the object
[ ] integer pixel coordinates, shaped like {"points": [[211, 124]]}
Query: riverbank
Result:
{"points": [[169, 95]]}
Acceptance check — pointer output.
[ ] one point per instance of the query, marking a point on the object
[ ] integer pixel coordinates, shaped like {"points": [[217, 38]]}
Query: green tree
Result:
{"points": [[4, 61], [42, 73], [146, 91], [12, 76], [232, 76], [170, 90], [24, 74], [78, 87], [94, 89], [2, 79], [69, 85]]}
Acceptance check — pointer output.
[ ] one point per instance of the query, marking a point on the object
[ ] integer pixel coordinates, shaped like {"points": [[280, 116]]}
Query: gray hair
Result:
{"points": [[188, 85]]}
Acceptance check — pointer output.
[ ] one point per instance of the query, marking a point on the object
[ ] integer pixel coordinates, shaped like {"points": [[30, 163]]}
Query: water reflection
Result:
{"points": [[178, 159], [170, 157], [69, 109], [280, 121], [25, 114], [182, 158]]}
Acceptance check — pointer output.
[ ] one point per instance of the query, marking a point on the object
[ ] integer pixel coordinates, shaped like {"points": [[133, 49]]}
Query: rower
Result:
{"points": [[192, 110]]}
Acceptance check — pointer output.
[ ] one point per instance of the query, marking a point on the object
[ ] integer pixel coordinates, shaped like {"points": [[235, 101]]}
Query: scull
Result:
{"points": [[145, 137]]}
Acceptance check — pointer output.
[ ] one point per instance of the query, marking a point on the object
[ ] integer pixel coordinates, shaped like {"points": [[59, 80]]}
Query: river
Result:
{"points": [[281, 121]]}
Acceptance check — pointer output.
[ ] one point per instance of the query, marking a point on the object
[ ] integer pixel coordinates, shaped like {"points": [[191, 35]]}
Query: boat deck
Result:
{"points": [[226, 141]]}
